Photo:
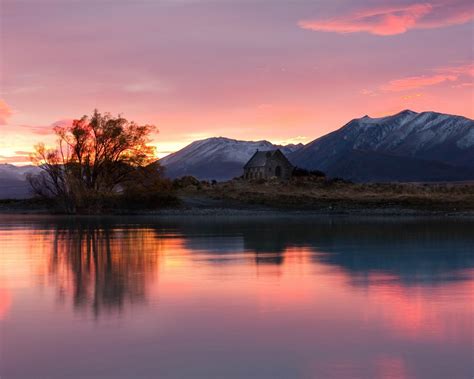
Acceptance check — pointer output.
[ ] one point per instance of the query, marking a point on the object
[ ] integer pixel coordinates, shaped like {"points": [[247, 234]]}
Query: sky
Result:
{"points": [[282, 70]]}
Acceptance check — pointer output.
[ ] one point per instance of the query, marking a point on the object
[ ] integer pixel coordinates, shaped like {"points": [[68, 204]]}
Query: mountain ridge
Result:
{"points": [[218, 158], [13, 181], [407, 146], [430, 138]]}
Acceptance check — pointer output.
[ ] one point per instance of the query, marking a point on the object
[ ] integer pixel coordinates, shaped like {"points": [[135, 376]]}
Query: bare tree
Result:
{"points": [[93, 159]]}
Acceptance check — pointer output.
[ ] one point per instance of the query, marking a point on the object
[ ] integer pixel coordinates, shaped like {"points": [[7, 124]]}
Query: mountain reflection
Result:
{"points": [[411, 251]]}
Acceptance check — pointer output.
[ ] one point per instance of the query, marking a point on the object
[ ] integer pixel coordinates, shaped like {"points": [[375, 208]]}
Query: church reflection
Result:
{"points": [[420, 253]]}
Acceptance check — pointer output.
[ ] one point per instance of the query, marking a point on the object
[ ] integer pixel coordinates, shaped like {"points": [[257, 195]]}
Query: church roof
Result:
{"points": [[260, 158]]}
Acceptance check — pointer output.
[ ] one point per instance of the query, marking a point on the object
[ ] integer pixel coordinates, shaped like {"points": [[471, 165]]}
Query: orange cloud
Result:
{"points": [[392, 20], [5, 112], [441, 75]]}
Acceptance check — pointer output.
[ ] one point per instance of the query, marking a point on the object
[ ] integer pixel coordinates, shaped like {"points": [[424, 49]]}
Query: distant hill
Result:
{"points": [[408, 146], [13, 183], [216, 158]]}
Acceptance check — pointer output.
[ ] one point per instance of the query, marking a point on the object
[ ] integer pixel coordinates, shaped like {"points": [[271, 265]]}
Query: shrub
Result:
{"points": [[301, 172], [337, 181], [186, 181]]}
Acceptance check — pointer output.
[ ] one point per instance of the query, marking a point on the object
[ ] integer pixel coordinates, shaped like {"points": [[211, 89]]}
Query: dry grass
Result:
{"points": [[320, 194]]}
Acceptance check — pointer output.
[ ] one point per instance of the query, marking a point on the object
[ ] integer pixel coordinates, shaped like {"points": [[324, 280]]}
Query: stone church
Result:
{"points": [[268, 164]]}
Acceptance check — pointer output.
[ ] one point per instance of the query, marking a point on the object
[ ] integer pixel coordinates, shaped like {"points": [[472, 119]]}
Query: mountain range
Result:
{"points": [[407, 146]]}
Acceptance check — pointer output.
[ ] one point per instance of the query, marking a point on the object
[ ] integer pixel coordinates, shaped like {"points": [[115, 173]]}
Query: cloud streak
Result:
{"points": [[15, 159], [396, 19], [5, 112], [414, 82], [45, 130], [441, 75]]}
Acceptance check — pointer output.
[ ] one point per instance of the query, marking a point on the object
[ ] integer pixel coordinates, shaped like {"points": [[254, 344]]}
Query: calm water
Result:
{"points": [[236, 298]]}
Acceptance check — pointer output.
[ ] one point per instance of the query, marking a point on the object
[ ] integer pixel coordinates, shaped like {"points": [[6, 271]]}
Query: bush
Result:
{"points": [[147, 189], [337, 181], [186, 181], [301, 172]]}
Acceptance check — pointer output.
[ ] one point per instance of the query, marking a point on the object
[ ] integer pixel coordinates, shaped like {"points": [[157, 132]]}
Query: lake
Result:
{"points": [[215, 297]]}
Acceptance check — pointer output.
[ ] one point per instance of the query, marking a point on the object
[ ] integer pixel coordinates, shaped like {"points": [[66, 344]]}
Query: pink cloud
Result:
{"points": [[5, 112], [41, 130], [15, 159], [413, 82], [467, 69], [392, 20], [61, 123], [45, 130], [464, 85], [412, 96], [441, 75], [22, 152]]}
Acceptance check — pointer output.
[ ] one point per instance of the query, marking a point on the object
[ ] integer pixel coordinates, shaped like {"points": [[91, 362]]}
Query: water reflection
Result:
{"points": [[102, 267], [236, 298], [429, 252]]}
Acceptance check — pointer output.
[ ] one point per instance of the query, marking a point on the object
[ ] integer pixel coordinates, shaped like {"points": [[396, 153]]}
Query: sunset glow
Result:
{"points": [[282, 71]]}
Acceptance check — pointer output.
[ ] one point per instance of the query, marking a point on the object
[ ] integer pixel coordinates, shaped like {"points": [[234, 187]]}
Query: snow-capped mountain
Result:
{"points": [[13, 182], [407, 146], [216, 158]]}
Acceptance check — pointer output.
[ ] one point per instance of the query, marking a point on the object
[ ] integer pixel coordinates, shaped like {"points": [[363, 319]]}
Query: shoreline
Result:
{"points": [[255, 212], [285, 199]]}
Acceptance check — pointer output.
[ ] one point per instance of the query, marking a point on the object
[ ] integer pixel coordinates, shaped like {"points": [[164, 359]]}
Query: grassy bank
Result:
{"points": [[334, 196], [110, 205], [317, 195]]}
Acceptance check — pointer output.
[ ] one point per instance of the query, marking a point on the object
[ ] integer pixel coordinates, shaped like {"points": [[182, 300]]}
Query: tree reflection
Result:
{"points": [[103, 268]]}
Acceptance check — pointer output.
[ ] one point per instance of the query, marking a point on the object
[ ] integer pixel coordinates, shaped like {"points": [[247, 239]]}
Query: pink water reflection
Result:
{"points": [[181, 301]]}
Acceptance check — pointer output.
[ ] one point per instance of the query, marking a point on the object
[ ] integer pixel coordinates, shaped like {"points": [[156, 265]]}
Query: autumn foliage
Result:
{"points": [[99, 162]]}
